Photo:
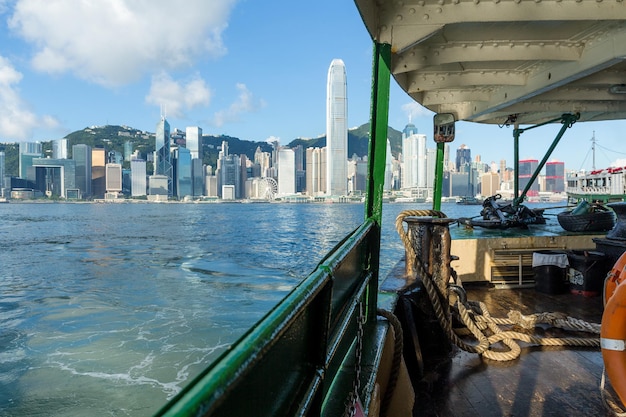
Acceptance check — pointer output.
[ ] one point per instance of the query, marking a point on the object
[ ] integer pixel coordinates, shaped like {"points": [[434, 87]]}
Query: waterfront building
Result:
{"points": [[3, 181], [194, 141], [414, 173], [59, 149], [162, 155], [81, 154], [286, 171], [128, 151], [157, 188], [463, 157], [336, 129], [316, 171], [138, 178], [555, 177], [113, 178], [526, 169], [98, 174], [181, 164], [197, 177], [489, 184], [357, 175], [229, 172], [27, 152], [54, 177], [388, 184], [210, 182]]}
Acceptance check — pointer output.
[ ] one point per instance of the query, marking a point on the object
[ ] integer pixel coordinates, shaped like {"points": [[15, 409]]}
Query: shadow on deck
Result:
{"points": [[543, 381]]}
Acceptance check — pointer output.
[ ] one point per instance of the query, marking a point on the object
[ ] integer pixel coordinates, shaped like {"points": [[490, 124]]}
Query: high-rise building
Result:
{"points": [[229, 173], [489, 184], [182, 173], [463, 157], [98, 174], [128, 150], [526, 169], [337, 129], [2, 170], [286, 171], [414, 172], [113, 178], [59, 149], [162, 157], [81, 154], [54, 177], [316, 171], [27, 152], [194, 141], [138, 177], [555, 177]]}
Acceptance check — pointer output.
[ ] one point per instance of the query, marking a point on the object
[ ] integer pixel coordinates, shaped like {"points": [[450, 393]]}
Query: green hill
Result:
{"points": [[113, 137]]}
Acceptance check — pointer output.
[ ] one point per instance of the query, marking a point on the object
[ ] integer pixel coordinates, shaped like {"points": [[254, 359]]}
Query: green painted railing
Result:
{"points": [[300, 359], [287, 363]]}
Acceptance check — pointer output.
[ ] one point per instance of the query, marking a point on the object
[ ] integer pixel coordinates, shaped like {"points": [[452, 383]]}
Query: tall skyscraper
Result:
{"points": [[138, 178], [27, 152], [463, 157], [81, 154], [98, 175], [193, 136], [337, 129], [414, 172], [59, 149], [286, 171], [316, 171], [162, 160]]}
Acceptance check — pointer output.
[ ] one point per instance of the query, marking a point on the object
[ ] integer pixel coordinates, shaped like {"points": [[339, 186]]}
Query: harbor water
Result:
{"points": [[110, 309]]}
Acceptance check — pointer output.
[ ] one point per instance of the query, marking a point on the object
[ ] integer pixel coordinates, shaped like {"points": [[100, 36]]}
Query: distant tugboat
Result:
{"points": [[469, 201]]}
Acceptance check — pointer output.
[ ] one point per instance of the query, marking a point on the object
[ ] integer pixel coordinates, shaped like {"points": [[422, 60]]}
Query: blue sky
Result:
{"points": [[249, 68]]}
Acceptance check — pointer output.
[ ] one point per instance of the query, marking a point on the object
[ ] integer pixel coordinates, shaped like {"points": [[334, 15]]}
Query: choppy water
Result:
{"points": [[109, 309]]}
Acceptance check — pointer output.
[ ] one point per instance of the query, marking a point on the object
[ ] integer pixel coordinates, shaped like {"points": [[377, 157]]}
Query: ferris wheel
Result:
{"points": [[268, 188]]}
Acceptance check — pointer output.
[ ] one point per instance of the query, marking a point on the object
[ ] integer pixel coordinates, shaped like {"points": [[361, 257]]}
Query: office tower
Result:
{"points": [[27, 152], [414, 173], [263, 159], [54, 177], [113, 178], [489, 184], [162, 158], [388, 184], [286, 171], [336, 129], [182, 173], [555, 177], [98, 174], [128, 150], [228, 173], [59, 149], [194, 141], [2, 171], [526, 169], [81, 154], [316, 171], [197, 177], [138, 177], [463, 157]]}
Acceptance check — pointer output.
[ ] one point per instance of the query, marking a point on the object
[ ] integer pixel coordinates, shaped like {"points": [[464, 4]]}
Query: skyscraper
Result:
{"points": [[81, 153], [193, 136], [163, 161], [337, 129]]}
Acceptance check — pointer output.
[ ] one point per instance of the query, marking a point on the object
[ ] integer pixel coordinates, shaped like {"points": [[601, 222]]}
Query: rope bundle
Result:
{"points": [[486, 330]]}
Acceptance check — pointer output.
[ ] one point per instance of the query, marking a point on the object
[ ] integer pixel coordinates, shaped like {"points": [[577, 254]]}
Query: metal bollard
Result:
{"points": [[430, 242]]}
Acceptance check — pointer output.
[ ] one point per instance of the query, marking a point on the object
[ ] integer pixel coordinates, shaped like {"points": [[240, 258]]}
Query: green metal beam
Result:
{"points": [[567, 120], [379, 119], [438, 186]]}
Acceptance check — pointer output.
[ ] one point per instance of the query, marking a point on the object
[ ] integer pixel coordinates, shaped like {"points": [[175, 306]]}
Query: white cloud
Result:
{"points": [[414, 110], [16, 120], [245, 103], [113, 42], [177, 96]]}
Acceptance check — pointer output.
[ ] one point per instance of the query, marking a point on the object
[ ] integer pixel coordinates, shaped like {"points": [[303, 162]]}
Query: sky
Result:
{"points": [[250, 69]]}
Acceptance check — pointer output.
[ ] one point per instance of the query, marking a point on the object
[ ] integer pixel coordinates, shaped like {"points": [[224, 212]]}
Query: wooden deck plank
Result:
{"points": [[543, 381]]}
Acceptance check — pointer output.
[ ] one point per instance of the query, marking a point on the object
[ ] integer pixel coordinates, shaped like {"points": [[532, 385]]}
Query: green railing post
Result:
{"points": [[377, 157], [438, 186]]}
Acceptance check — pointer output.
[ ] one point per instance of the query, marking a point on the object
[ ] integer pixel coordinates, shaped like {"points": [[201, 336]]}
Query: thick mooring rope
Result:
{"points": [[478, 322]]}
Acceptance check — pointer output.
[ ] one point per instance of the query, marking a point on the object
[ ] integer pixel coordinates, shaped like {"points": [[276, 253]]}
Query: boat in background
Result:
{"points": [[600, 185], [469, 201]]}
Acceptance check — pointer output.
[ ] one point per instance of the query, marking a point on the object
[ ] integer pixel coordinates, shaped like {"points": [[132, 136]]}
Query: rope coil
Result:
{"points": [[485, 329]]}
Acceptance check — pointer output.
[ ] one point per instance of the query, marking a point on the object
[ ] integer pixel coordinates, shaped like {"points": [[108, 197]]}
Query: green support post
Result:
{"points": [[438, 186]]}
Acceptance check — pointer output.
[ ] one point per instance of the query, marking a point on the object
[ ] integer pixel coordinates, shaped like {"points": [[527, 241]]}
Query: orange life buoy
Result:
{"points": [[614, 277], [613, 328]]}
